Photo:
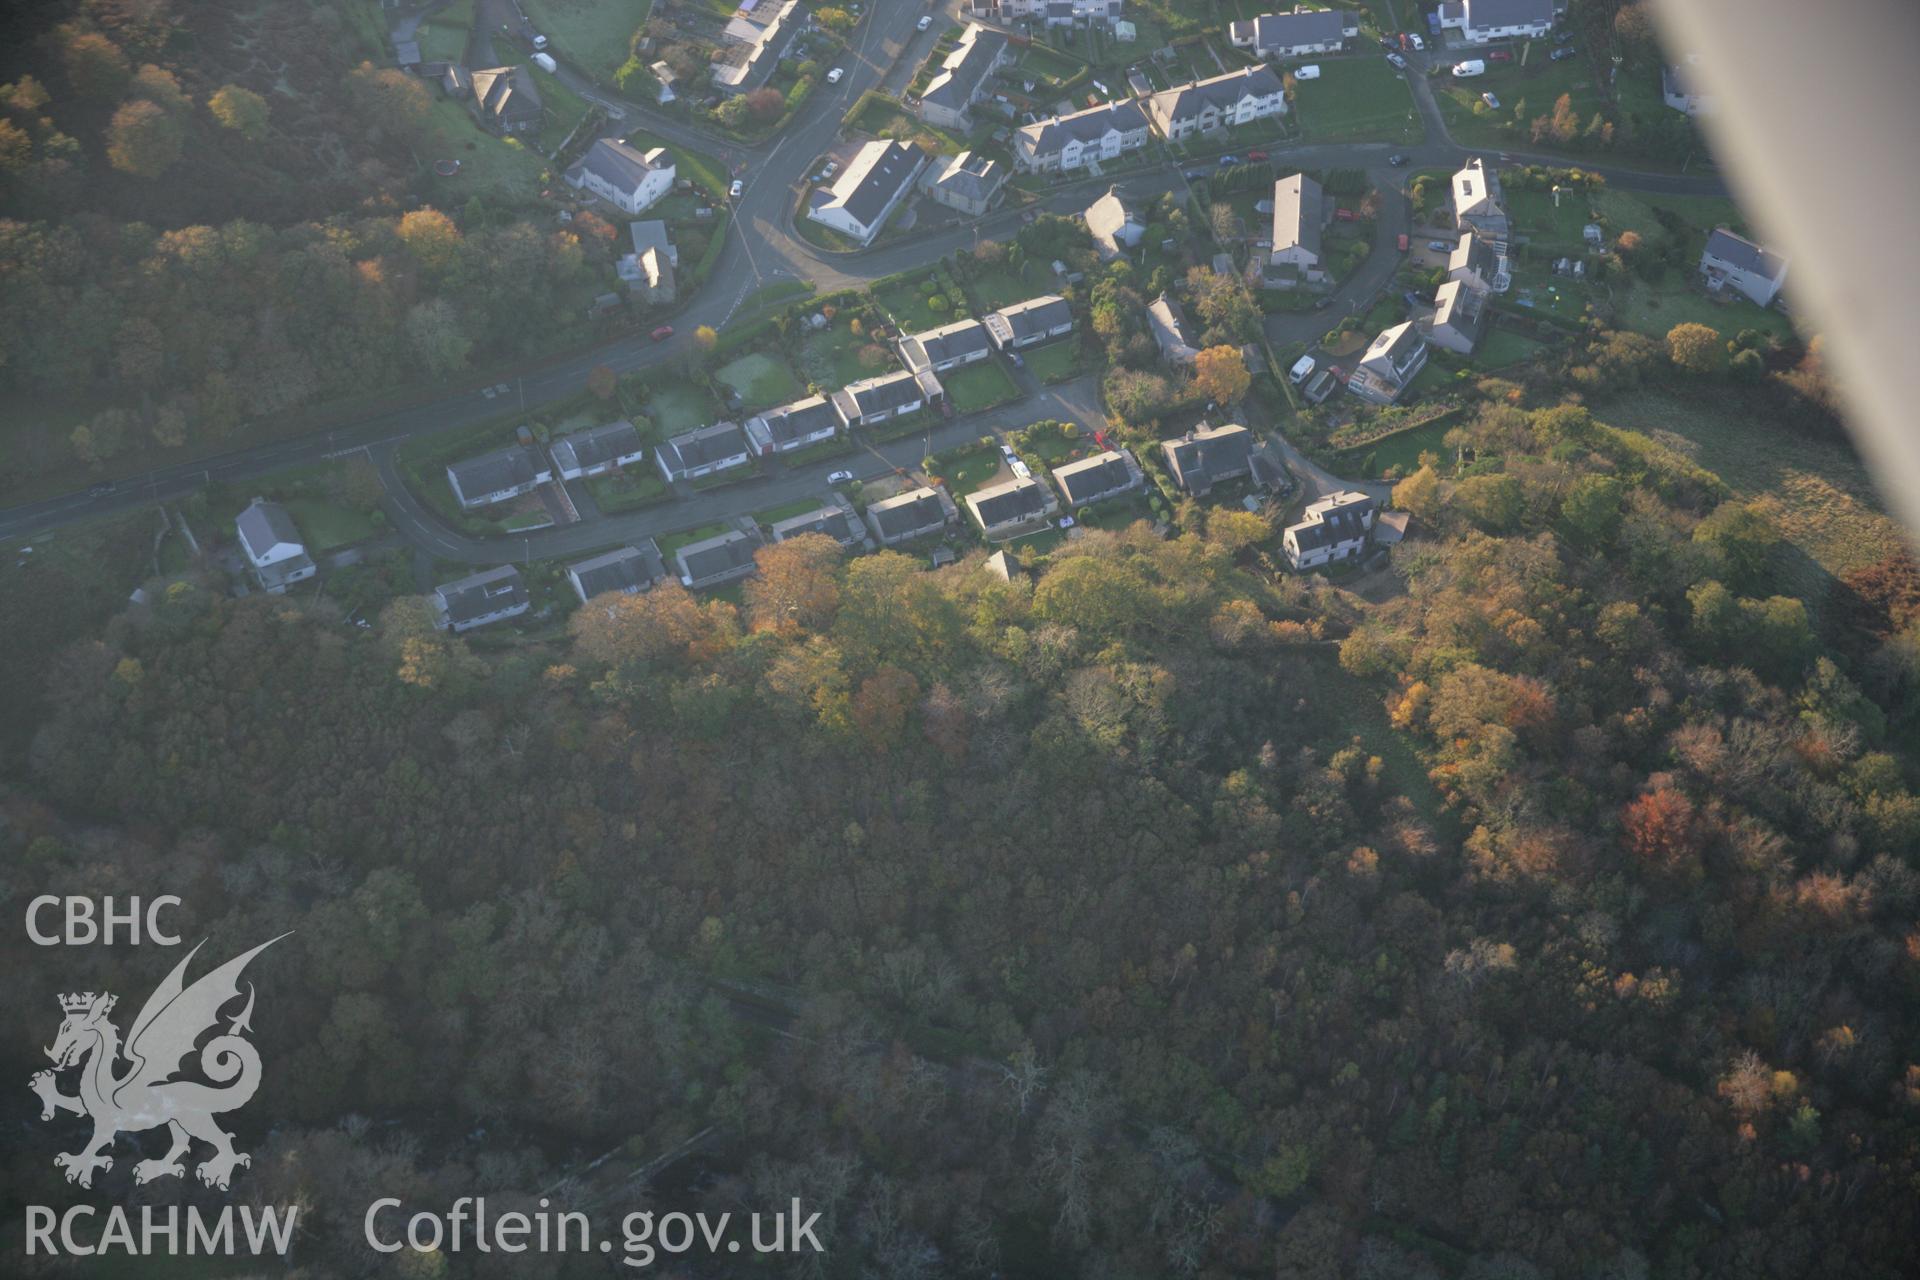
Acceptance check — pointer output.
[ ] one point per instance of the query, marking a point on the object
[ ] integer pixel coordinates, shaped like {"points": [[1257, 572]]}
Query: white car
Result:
{"points": [[833, 76], [923, 24], [737, 187], [840, 477]]}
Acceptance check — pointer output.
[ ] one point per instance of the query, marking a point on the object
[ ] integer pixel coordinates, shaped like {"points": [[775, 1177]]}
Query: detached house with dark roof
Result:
{"points": [[1003, 510], [624, 176], [1029, 323], [1104, 475], [836, 519], [1735, 262], [1098, 134], [497, 476], [704, 451], [1296, 34], [1392, 360], [1168, 324], [1299, 214], [871, 188], [968, 182], [1483, 21], [916, 513], [273, 546], [1331, 528], [627, 570], [964, 76], [793, 426], [486, 597], [891, 395], [951, 346], [720, 559], [1206, 456], [504, 99], [1218, 102], [597, 450]]}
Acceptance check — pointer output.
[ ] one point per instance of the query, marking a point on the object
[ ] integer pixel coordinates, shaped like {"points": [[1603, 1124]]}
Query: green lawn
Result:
{"points": [[672, 542], [761, 380], [1401, 451], [681, 406], [443, 37], [966, 469], [910, 300], [630, 489], [1005, 285], [1547, 228], [327, 526], [788, 510], [502, 167], [1048, 65], [979, 386], [1354, 100], [1503, 347], [1055, 362], [830, 358], [701, 168], [564, 109], [1654, 310], [883, 117], [1525, 92], [594, 34], [1115, 513]]}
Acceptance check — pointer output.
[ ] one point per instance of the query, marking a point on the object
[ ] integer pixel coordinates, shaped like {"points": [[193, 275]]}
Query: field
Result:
{"points": [[1815, 488], [564, 109], [593, 34], [1525, 92], [1354, 100], [761, 380], [328, 526], [678, 406], [979, 386], [1653, 311]]}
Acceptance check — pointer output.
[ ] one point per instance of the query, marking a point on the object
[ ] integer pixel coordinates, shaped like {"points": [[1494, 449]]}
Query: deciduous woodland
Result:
{"points": [[1158, 916]]}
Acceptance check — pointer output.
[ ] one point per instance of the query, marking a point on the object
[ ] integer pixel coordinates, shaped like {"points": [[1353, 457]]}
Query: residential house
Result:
{"points": [[1206, 456], [624, 176], [1297, 34], [1475, 261], [1004, 566], [1392, 360], [704, 451], [1459, 317], [913, 514], [949, 347], [1099, 134], [273, 546], [891, 395], [652, 266], [1299, 214], [485, 597], [1735, 262], [1477, 204], [964, 76], [1178, 345], [504, 99], [1116, 225], [1104, 475], [1680, 91], [627, 570], [1052, 13], [720, 559], [968, 182], [1029, 323], [869, 189], [1015, 506], [597, 450], [753, 39], [1331, 528], [1218, 102], [664, 79], [793, 426], [837, 519], [1483, 21], [497, 476]]}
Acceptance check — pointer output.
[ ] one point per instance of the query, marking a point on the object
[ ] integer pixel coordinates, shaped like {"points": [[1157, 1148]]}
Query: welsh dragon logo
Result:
{"points": [[145, 1095]]}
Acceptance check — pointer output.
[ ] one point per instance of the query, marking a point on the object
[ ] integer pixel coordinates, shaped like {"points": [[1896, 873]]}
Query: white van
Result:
{"points": [[1301, 368], [1471, 67], [1307, 73], [545, 62]]}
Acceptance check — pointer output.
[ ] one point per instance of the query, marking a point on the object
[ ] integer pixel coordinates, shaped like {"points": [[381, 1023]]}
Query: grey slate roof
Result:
{"points": [[964, 68], [1298, 210], [264, 525], [1209, 453], [864, 191], [879, 395], [489, 591], [704, 445], [622, 569], [620, 165], [595, 445], [506, 93], [1340, 525], [1285, 30], [725, 553], [1005, 503], [835, 521], [906, 512], [1090, 478], [1185, 101], [506, 468], [952, 341], [972, 176], [651, 233], [1049, 135], [801, 418], [1035, 315], [1743, 254]]}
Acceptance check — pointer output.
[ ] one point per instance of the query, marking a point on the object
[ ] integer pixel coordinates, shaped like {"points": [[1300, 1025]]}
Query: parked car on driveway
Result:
{"points": [[1345, 215], [1499, 55], [1439, 246], [1491, 100], [1398, 62], [1562, 54]]}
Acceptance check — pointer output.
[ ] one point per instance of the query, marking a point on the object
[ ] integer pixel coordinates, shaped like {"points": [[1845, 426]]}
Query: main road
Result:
{"points": [[760, 251]]}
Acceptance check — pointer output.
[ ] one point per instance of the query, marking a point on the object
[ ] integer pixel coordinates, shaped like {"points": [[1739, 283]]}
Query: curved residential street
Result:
{"points": [[761, 249]]}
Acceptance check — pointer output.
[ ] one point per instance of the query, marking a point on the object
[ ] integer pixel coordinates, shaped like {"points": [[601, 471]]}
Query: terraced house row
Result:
{"points": [[1104, 133]]}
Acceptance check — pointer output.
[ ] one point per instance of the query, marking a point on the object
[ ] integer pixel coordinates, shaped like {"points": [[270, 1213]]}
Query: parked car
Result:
{"points": [[1563, 53], [833, 167], [1471, 67], [545, 62], [539, 42], [735, 190], [1397, 159], [664, 332], [1194, 175], [1301, 368], [1416, 42], [1256, 155], [1323, 302], [1224, 161], [1403, 242], [840, 477], [923, 24], [833, 76], [1399, 62], [1439, 246], [1491, 100], [1499, 55]]}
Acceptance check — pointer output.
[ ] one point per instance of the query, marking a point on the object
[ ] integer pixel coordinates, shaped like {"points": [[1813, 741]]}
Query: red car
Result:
{"points": [[1499, 55], [1403, 242], [664, 332], [1256, 155]]}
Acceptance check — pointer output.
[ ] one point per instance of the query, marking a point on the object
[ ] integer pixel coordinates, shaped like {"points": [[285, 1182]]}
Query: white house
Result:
{"points": [[1116, 225], [1011, 507], [595, 451], [1053, 13], [1296, 34], [1459, 316], [1484, 21], [1331, 528], [793, 426], [625, 177], [1392, 360], [891, 395], [1299, 213], [273, 547], [948, 347], [1218, 102], [964, 76], [1735, 262], [913, 514], [1029, 323], [1477, 203], [704, 451], [484, 597], [871, 187], [497, 476], [1097, 135]]}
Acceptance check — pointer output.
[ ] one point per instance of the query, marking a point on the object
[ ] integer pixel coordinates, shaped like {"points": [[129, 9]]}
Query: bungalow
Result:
{"points": [[793, 426], [913, 514], [872, 186], [1735, 262], [485, 597], [1392, 360], [1115, 224], [627, 570], [1104, 475], [948, 347], [1299, 213], [1206, 456], [968, 182], [836, 519], [1296, 34], [497, 476], [1026, 324], [504, 99], [1103, 134], [1483, 21], [1477, 204], [273, 547], [1002, 510], [1169, 325], [964, 75], [704, 451], [624, 176], [597, 450], [891, 395], [1222, 101], [1459, 317], [1331, 528], [721, 558]]}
